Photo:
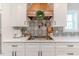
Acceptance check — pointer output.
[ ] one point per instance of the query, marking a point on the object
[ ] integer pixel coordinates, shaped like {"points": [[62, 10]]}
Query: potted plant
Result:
{"points": [[40, 17]]}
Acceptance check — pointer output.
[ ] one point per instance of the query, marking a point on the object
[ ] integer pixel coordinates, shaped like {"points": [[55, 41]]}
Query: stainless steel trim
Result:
{"points": [[12, 53], [14, 45], [70, 45], [39, 53], [70, 53], [15, 53]]}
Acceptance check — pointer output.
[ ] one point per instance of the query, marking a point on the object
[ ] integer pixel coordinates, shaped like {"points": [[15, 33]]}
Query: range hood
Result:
{"points": [[48, 11]]}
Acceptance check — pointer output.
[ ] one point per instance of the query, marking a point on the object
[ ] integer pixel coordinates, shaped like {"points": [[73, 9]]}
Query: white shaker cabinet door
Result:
{"points": [[48, 49], [7, 50], [19, 49], [32, 49], [13, 49]]}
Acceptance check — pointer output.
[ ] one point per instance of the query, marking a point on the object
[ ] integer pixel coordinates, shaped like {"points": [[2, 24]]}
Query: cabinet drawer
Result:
{"points": [[67, 48], [67, 53], [67, 45], [12, 45], [32, 44], [48, 44]]}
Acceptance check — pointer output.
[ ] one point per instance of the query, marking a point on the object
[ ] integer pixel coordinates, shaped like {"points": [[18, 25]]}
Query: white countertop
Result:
{"points": [[24, 39], [66, 39], [55, 39]]}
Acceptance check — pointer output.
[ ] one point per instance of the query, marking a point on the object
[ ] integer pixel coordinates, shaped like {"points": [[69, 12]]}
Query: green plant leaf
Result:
{"points": [[40, 15]]}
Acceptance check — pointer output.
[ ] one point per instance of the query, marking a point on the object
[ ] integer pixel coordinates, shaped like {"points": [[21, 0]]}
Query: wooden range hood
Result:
{"points": [[48, 11]]}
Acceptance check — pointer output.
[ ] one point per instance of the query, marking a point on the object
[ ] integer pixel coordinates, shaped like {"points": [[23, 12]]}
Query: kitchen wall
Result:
{"points": [[0, 29], [13, 16], [74, 6], [69, 7], [60, 14], [60, 11], [6, 21], [0, 35]]}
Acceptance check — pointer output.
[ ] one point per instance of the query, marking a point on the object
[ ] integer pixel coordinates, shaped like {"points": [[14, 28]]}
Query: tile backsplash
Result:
{"points": [[58, 31]]}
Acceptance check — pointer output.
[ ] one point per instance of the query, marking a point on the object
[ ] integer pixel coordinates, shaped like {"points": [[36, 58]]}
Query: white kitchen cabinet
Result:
{"points": [[19, 14], [32, 49], [28, 49], [60, 12], [6, 50], [48, 49], [67, 49], [40, 49], [13, 49]]}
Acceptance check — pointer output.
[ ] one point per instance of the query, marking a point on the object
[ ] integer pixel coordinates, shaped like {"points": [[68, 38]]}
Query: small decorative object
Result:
{"points": [[40, 15], [23, 29]]}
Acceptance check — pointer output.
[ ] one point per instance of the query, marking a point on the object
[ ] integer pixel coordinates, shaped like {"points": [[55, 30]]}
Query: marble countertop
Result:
{"points": [[55, 39]]}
